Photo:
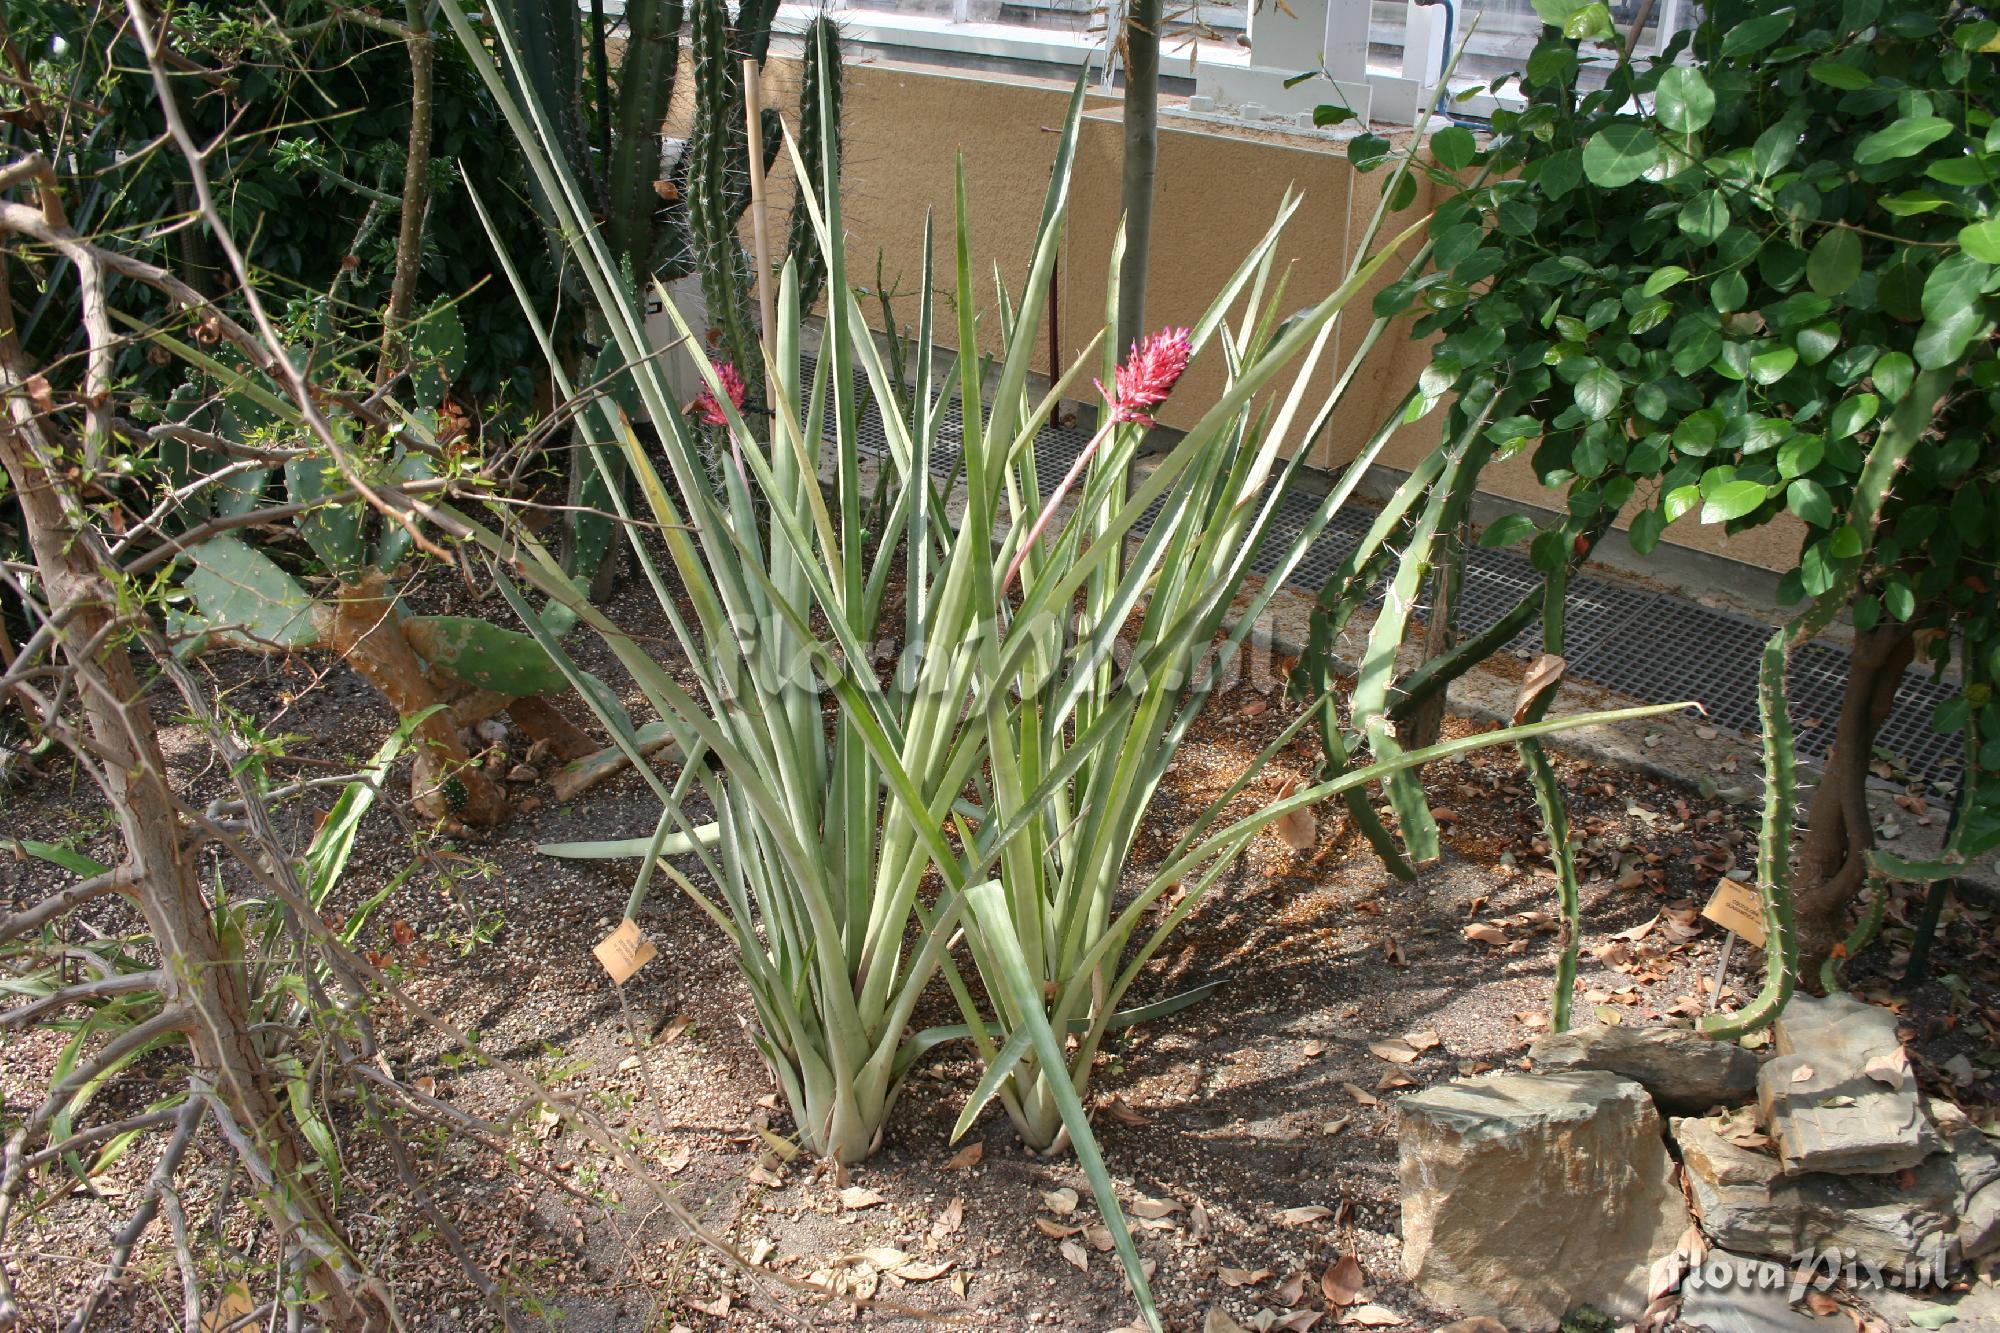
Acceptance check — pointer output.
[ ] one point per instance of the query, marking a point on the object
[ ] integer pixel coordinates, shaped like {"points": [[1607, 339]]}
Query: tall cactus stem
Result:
{"points": [[819, 149], [1774, 853]]}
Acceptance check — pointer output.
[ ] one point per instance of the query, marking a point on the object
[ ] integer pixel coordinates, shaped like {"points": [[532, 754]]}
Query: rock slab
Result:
{"points": [[1821, 1103], [1686, 1073], [1941, 1209], [1528, 1195]]}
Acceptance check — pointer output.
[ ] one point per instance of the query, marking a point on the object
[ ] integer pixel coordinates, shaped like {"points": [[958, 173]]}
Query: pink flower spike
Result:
{"points": [[1148, 376], [704, 403]]}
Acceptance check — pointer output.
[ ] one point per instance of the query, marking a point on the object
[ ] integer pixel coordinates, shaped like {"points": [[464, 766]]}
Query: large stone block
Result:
{"points": [[1942, 1207], [1686, 1073], [1829, 1098], [1526, 1196]]}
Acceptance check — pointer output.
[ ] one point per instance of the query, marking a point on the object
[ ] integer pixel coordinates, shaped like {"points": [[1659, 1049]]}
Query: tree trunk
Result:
{"points": [[1830, 864], [416, 193], [198, 980]]}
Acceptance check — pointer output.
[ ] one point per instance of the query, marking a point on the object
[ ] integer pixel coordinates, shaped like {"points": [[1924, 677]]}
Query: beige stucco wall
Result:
{"points": [[1218, 191]]}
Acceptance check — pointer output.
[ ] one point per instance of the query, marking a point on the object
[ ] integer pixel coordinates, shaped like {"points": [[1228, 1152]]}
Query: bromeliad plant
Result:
{"points": [[901, 735]]}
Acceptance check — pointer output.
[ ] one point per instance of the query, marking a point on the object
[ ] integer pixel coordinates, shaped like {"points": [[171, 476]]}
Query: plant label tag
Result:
{"points": [[1736, 907], [624, 951]]}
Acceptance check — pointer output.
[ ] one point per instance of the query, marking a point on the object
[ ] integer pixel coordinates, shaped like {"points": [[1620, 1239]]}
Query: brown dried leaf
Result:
{"points": [[1892, 1068], [949, 1220], [1341, 1283], [1153, 1208], [1077, 1255], [923, 1270], [1218, 1321], [856, 1197], [880, 1256], [1803, 1074], [1422, 1040], [1243, 1277], [967, 1156], [1061, 1202], [1543, 675], [1297, 827], [1298, 1217], [1481, 932], [1395, 1050], [1054, 1229], [1118, 1109], [1361, 1094], [1371, 1316], [1293, 1291]]}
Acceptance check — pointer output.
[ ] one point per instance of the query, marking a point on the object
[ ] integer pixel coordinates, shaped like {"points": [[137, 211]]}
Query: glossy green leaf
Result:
{"points": [[1683, 101], [1834, 262], [1620, 153]]}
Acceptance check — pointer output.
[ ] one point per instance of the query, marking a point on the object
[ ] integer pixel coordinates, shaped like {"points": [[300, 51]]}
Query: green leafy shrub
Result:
{"points": [[1710, 289]]}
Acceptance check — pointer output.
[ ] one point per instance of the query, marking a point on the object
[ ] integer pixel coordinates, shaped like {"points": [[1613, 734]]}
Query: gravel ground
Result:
{"points": [[1256, 1127]]}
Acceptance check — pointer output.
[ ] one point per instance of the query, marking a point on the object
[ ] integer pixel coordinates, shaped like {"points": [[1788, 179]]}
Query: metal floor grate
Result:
{"points": [[1649, 645]]}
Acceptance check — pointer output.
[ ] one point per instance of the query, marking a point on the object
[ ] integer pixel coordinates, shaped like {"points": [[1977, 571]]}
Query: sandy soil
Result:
{"points": [[1259, 1120]]}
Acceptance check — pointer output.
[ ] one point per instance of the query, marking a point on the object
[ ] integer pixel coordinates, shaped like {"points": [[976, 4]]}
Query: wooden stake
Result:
{"points": [[759, 228]]}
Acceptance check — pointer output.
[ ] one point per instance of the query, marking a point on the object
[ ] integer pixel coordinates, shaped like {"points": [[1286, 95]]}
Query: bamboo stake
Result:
{"points": [[759, 229]]}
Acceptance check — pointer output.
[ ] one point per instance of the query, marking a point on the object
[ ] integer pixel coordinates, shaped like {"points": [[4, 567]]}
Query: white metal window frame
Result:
{"points": [[1236, 80]]}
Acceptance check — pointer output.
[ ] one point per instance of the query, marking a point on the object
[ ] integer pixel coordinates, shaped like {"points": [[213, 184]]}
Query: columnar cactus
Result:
{"points": [[819, 142], [718, 181], [716, 184]]}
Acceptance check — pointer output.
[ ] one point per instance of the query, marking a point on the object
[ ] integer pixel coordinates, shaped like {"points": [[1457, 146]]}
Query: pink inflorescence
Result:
{"points": [[1148, 375], [707, 408]]}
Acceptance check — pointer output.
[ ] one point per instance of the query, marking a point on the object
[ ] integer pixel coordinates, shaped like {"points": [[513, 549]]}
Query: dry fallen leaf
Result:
{"points": [[1314, 1049], [1543, 675], [1395, 1078], [949, 1220], [1153, 1207], [1297, 827], [1482, 933], [855, 1196], [1422, 1040], [1121, 1111], [1892, 1068], [880, 1256], [1298, 1217], [967, 1156], [1361, 1094], [1219, 1322], [1395, 1049], [1292, 1291], [1371, 1316], [1054, 1229], [1243, 1277], [1077, 1255], [1803, 1074], [922, 1270], [1061, 1202], [1341, 1283]]}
